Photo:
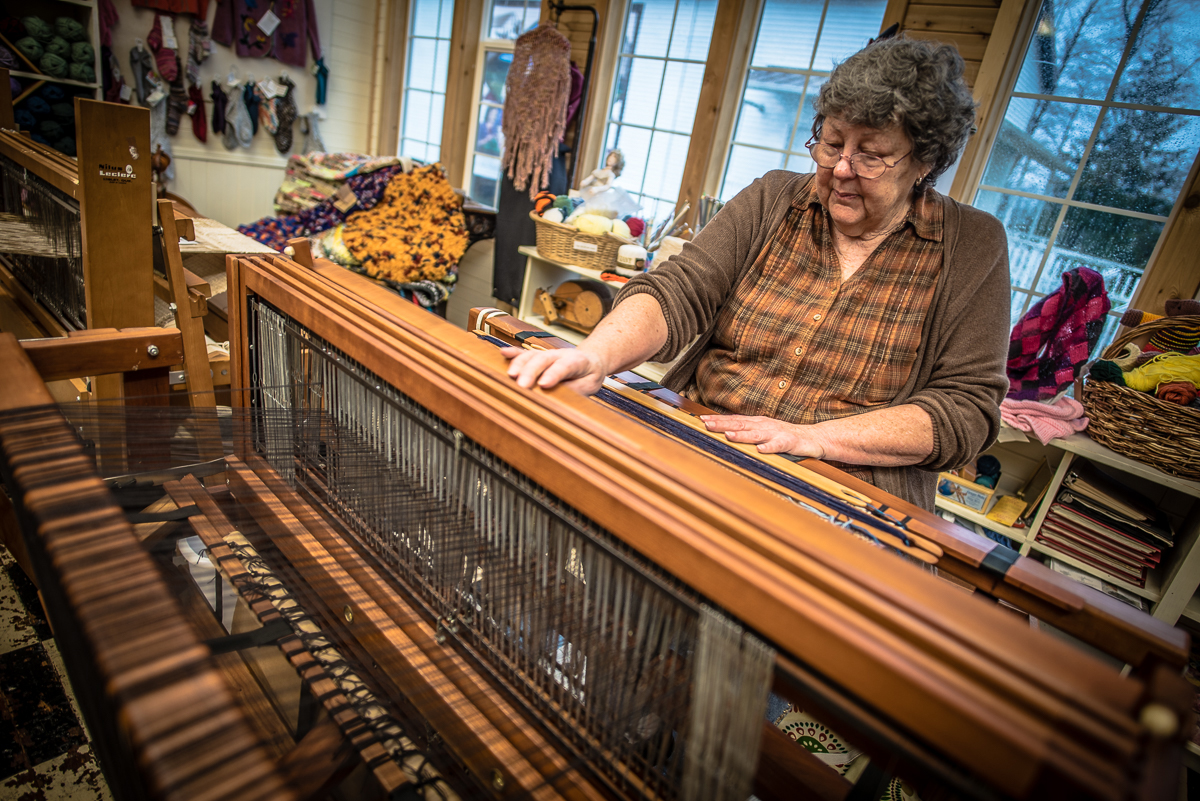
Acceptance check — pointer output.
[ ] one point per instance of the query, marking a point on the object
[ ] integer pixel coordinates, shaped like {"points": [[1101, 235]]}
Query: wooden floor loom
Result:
{"points": [[492, 592]]}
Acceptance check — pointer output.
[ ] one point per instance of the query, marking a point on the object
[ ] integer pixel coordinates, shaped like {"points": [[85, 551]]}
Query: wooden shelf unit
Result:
{"points": [[544, 273], [1171, 587]]}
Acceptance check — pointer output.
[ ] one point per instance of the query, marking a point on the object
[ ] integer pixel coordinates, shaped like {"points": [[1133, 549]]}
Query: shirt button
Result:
{"points": [[799, 351], [816, 318], [782, 384]]}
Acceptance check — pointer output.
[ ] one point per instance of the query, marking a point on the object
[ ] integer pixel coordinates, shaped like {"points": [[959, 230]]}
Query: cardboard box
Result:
{"points": [[956, 489]]}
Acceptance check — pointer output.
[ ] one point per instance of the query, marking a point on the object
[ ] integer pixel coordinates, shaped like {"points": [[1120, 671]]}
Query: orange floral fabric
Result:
{"points": [[416, 232]]}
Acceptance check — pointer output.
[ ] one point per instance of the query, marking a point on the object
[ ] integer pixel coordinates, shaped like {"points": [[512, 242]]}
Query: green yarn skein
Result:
{"points": [[63, 112], [60, 47], [1103, 370], [53, 65], [85, 73], [82, 53], [38, 28], [50, 129], [70, 29], [31, 48]]}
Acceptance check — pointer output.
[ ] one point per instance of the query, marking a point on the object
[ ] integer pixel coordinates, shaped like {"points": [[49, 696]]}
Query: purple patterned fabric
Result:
{"points": [[1052, 342], [274, 232]]}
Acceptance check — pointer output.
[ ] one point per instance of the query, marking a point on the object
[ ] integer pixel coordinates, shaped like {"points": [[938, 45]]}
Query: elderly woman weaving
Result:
{"points": [[854, 315]]}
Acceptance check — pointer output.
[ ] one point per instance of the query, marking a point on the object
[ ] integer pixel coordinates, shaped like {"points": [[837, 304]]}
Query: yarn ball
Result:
{"points": [[7, 59], [1103, 370], [1179, 392], [59, 47], [38, 28], [987, 465], [41, 140], [37, 106], [82, 53], [542, 201], [84, 73], [24, 119], [70, 29], [621, 229], [637, 226], [593, 224], [14, 86], [66, 145], [63, 112], [563, 202], [553, 215], [50, 129], [31, 48], [54, 66], [51, 93]]}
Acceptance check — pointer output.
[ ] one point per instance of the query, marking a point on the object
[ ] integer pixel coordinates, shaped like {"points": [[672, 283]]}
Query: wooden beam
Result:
{"points": [[391, 78], [460, 84], [104, 351]]}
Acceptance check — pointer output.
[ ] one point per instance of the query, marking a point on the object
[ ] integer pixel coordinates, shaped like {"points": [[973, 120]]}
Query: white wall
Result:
{"points": [[238, 186]]}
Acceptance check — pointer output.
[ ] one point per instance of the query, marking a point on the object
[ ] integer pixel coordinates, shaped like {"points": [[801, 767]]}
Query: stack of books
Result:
{"points": [[1105, 525]]}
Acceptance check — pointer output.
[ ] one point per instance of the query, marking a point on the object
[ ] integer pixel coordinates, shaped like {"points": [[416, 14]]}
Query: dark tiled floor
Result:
{"points": [[44, 751]]}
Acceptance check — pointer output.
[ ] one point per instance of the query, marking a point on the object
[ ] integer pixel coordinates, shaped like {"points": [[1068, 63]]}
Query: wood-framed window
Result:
{"points": [[429, 27]]}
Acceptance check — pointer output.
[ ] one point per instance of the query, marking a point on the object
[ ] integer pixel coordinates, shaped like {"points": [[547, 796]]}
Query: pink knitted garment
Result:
{"points": [[1046, 421]]}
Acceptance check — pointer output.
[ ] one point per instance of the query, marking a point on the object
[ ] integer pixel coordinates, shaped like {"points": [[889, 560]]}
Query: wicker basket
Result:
{"points": [[1139, 425], [566, 244]]}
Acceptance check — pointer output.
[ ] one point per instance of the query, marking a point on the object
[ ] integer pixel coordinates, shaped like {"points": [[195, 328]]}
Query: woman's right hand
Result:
{"points": [[578, 368]]}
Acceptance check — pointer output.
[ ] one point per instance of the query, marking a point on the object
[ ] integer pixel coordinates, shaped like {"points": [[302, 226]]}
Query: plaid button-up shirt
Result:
{"points": [[796, 343]]}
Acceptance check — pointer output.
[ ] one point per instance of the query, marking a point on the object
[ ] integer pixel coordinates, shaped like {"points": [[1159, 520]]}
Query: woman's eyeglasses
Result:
{"points": [[864, 165]]}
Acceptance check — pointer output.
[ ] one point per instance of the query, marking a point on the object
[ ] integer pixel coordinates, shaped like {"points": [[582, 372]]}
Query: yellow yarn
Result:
{"points": [[593, 224], [1164, 369]]}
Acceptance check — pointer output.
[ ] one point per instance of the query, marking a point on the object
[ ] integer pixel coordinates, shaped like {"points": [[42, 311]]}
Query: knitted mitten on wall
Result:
{"points": [[285, 110]]}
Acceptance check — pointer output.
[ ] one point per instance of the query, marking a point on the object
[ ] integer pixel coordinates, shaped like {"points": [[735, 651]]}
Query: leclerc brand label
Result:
{"points": [[113, 174], [590, 247]]}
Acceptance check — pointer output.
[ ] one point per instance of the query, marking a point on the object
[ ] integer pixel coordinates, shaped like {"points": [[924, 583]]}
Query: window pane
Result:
{"points": [[441, 65], [693, 29], [677, 106], [1042, 154], [745, 164], [635, 146], [417, 109], [511, 18], [1140, 160], [769, 107], [1028, 223], [639, 92], [1113, 245], [1159, 70], [421, 59], [1076, 48], [787, 33], [426, 16], [648, 28], [488, 136], [801, 162], [664, 170], [485, 180], [849, 24], [495, 73]]}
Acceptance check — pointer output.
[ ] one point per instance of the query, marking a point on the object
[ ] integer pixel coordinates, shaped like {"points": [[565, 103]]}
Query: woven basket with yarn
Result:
{"points": [[567, 244], [1139, 425]]}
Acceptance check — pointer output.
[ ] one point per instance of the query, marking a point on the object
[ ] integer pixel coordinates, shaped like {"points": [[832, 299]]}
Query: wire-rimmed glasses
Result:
{"points": [[864, 165]]}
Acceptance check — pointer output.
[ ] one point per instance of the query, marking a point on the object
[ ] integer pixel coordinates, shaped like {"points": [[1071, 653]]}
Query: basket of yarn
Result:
{"points": [[1143, 404], [571, 245]]}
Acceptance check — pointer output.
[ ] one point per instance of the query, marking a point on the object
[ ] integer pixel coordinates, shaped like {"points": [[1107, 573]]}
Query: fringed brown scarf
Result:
{"points": [[535, 105]]}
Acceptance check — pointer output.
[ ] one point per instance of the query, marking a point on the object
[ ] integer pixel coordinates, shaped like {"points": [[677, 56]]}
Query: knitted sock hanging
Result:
{"points": [[176, 101], [219, 101], [535, 106], [238, 127], [250, 100], [164, 57], [195, 108], [285, 110], [1051, 343]]}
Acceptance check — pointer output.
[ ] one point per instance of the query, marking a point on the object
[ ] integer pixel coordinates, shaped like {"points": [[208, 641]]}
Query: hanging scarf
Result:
{"points": [[1052, 342], [535, 106]]}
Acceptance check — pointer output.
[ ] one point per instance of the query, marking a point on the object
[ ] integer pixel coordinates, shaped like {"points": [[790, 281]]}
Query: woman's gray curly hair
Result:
{"points": [[907, 82]]}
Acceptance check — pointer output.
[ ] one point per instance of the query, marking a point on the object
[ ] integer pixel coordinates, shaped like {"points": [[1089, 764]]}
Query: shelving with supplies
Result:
{"points": [[1170, 587], [544, 273]]}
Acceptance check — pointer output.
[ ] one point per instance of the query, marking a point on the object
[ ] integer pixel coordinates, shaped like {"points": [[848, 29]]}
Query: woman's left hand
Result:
{"points": [[768, 434]]}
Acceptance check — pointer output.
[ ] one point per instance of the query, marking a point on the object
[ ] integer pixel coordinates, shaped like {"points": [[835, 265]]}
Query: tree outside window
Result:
{"points": [[1096, 144]]}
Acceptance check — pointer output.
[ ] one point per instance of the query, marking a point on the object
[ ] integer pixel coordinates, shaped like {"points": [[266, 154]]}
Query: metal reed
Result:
{"points": [[659, 693]]}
